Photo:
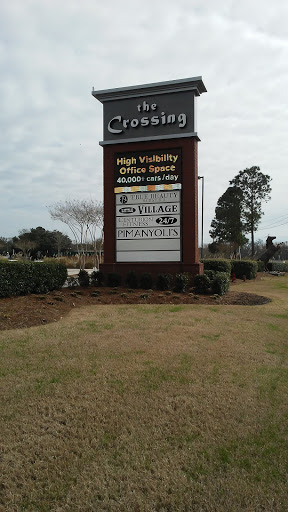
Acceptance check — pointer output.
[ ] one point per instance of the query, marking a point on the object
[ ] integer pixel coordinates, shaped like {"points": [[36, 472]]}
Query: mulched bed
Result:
{"points": [[30, 310]]}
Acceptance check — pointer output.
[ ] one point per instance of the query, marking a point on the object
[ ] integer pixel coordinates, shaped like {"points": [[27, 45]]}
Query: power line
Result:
{"points": [[278, 218], [272, 226]]}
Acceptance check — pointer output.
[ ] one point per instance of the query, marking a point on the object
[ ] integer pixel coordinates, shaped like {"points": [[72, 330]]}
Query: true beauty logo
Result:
{"points": [[118, 124]]}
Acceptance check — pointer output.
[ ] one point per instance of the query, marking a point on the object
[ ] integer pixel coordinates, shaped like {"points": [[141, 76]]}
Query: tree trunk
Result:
{"points": [[252, 228], [252, 238]]}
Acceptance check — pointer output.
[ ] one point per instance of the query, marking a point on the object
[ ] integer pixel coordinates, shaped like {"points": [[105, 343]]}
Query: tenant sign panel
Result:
{"points": [[148, 226], [143, 170]]}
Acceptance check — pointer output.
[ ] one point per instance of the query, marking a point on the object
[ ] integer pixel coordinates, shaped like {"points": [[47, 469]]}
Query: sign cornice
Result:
{"points": [[147, 139], [186, 84]]}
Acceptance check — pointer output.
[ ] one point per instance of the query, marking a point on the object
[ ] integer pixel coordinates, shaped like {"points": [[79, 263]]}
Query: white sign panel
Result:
{"points": [[149, 197], [145, 221], [148, 245], [147, 256], [148, 226], [148, 233], [148, 209]]}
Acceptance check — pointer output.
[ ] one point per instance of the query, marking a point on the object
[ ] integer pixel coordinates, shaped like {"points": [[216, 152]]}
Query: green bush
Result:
{"points": [[21, 278], [221, 283], [260, 266], [83, 278], [97, 278], [246, 268], [218, 265], [131, 279], [277, 266], [201, 284], [181, 282], [113, 279], [210, 273], [146, 281], [163, 281]]}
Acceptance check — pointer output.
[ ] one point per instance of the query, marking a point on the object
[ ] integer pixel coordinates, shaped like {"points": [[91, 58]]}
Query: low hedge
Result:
{"points": [[146, 281], [131, 279], [212, 282], [83, 278], [210, 274], [246, 268], [97, 278], [277, 266], [181, 282], [21, 278], [114, 279], [221, 283], [218, 265], [260, 266], [163, 282], [202, 283]]}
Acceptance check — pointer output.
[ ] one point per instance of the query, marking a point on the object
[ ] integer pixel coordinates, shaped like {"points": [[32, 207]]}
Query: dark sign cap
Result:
{"points": [[135, 91]]}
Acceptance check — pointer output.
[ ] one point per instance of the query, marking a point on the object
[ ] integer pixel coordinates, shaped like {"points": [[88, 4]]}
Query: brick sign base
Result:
{"points": [[187, 147]]}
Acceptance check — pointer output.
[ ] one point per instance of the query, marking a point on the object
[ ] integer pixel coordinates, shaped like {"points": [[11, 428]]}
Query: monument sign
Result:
{"points": [[150, 177]]}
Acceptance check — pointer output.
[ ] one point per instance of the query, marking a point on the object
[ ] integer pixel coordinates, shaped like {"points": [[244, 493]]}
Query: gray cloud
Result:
{"points": [[51, 54]]}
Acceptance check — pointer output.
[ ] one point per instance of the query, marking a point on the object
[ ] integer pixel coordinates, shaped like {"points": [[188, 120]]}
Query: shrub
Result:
{"points": [[72, 282], [246, 268], [47, 276], [260, 266], [83, 278], [93, 278], [210, 274], [113, 279], [146, 281], [163, 281], [277, 266], [218, 265], [221, 283], [97, 278], [131, 279], [21, 278], [181, 282], [201, 284]]}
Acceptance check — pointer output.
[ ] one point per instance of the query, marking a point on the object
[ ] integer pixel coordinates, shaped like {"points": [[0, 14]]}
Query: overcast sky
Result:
{"points": [[53, 52]]}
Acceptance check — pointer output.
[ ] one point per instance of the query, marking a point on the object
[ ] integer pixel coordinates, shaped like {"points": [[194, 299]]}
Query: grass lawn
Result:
{"points": [[149, 408]]}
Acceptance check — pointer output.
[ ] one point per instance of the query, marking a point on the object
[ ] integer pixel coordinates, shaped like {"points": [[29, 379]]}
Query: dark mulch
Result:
{"points": [[29, 310]]}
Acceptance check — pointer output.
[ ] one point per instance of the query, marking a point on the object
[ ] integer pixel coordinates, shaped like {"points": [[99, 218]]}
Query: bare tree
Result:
{"points": [[62, 241], [84, 217], [95, 230]]}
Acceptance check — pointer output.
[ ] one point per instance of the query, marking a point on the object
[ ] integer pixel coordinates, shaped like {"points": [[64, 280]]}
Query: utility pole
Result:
{"points": [[202, 216]]}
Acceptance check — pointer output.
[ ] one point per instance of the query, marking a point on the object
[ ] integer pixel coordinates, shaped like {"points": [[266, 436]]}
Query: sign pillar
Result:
{"points": [[151, 178]]}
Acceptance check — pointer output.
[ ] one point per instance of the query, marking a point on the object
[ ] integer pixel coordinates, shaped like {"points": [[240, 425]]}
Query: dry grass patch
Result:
{"points": [[148, 408]]}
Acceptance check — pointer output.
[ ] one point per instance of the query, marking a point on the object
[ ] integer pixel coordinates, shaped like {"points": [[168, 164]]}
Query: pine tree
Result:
{"points": [[227, 226], [255, 187]]}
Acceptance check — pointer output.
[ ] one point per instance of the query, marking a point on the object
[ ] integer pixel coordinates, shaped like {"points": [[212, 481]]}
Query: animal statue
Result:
{"points": [[271, 250]]}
